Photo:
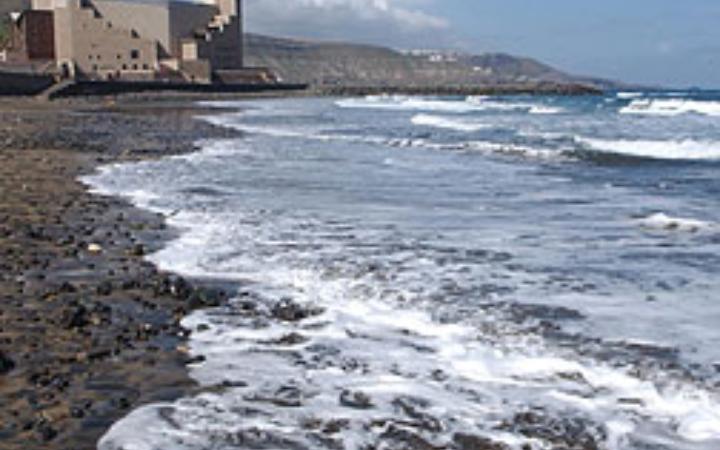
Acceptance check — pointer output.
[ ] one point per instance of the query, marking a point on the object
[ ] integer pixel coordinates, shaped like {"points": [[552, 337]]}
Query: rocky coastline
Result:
{"points": [[560, 89], [88, 329]]}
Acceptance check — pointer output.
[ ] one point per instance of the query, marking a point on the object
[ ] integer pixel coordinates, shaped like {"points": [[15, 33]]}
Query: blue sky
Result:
{"points": [[665, 42]]}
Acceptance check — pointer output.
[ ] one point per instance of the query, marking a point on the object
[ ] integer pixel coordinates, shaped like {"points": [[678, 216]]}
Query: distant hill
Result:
{"points": [[345, 64]]}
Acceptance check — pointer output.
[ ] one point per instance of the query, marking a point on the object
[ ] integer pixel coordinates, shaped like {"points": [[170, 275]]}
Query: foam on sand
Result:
{"points": [[671, 107]]}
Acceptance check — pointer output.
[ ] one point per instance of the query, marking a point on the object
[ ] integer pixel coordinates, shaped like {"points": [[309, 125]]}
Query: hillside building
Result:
{"points": [[132, 39]]}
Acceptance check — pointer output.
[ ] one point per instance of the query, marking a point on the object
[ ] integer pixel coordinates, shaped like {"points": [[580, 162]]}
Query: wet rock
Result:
{"points": [[174, 286], [75, 316], [288, 396], [356, 400], [412, 408], [404, 439], [199, 359], [568, 433], [470, 442], [138, 250], [6, 364], [206, 297], [233, 384], [289, 311], [67, 288], [45, 432], [105, 288]]}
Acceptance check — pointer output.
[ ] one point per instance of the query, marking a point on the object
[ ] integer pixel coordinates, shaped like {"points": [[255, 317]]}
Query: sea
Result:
{"points": [[518, 272]]}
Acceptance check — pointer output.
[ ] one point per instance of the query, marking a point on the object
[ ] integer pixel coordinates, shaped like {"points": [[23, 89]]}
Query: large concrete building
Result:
{"points": [[134, 39]]}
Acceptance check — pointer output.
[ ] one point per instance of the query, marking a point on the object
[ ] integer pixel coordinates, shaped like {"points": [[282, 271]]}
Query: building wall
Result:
{"points": [[93, 47], [229, 7], [43, 5], [150, 20], [222, 44], [166, 23], [185, 20], [121, 38], [225, 51]]}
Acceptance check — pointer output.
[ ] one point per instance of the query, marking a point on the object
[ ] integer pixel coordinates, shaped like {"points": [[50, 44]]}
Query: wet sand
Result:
{"points": [[88, 330]]}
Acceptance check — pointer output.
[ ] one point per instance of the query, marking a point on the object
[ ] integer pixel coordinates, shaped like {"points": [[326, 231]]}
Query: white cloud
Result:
{"points": [[392, 22], [397, 11]]}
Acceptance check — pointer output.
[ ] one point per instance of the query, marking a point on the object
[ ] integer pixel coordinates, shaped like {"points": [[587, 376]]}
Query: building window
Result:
{"points": [[95, 67], [135, 67], [119, 56], [90, 57], [134, 54], [124, 66], [99, 57], [146, 67]]}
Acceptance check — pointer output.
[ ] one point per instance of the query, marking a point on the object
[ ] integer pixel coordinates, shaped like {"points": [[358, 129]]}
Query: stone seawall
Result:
{"points": [[23, 84], [94, 88]]}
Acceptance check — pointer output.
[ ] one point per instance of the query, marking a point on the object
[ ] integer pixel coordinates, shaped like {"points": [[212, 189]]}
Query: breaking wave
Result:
{"points": [[627, 95], [664, 222], [672, 107], [688, 149], [362, 320], [448, 123], [458, 106]]}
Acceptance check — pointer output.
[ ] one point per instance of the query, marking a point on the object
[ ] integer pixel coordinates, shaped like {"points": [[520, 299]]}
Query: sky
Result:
{"points": [[674, 43]]}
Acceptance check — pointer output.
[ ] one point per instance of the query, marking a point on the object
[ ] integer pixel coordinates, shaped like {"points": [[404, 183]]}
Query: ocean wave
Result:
{"points": [[672, 107], [687, 149], [628, 95], [545, 110], [373, 345], [407, 103], [448, 123], [457, 106], [664, 222], [362, 341]]}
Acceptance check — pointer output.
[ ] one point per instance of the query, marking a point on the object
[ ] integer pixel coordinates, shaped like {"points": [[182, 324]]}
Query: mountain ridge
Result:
{"points": [[336, 64]]}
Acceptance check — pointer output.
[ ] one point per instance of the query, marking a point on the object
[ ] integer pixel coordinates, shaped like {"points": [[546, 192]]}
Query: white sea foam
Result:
{"points": [[399, 350], [545, 110], [380, 332], [672, 150], [628, 95], [466, 105], [359, 324], [405, 103], [448, 123], [661, 221], [671, 107]]}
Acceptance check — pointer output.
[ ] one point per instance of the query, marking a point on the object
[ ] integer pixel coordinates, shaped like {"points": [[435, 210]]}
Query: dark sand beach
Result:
{"points": [[88, 330]]}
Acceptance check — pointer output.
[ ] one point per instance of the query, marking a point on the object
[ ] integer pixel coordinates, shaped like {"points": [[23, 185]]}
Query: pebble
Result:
{"points": [[6, 364]]}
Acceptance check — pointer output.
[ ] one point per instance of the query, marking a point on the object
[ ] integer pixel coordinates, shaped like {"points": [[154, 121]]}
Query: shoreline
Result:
{"points": [[89, 330]]}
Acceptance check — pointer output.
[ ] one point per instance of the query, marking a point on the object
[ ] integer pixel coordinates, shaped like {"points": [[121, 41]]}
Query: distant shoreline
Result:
{"points": [[21, 84], [539, 89]]}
